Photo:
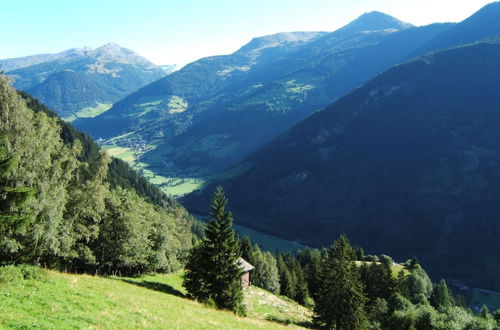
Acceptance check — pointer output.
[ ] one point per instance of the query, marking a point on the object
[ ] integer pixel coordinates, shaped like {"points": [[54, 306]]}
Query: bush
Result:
{"points": [[33, 273], [10, 275]]}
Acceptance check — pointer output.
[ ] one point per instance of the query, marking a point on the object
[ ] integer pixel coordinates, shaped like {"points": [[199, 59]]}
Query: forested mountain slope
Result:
{"points": [[482, 25], [405, 164], [82, 82], [64, 206], [217, 110]]}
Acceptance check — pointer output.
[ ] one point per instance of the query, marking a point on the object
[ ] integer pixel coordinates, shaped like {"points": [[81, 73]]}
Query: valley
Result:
{"points": [[187, 134], [171, 185], [340, 176], [178, 187]]}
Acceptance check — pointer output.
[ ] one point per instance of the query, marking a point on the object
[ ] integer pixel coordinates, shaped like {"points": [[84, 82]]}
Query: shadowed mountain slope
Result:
{"points": [[217, 110], [407, 164]]}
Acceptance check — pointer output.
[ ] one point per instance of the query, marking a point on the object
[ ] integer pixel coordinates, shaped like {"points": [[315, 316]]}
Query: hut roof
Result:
{"points": [[244, 265]]}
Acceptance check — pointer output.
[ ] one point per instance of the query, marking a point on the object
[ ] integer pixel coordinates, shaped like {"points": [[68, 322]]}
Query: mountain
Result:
{"points": [[217, 110], [22, 62], [406, 164], [482, 25], [375, 21], [82, 82], [68, 205]]}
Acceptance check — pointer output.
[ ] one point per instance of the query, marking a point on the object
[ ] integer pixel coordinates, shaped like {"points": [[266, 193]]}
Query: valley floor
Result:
{"points": [[173, 185]]}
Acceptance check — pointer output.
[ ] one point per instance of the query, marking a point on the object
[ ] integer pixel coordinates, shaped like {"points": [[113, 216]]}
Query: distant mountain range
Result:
{"points": [[82, 82], [407, 163], [314, 134], [215, 111], [169, 68]]}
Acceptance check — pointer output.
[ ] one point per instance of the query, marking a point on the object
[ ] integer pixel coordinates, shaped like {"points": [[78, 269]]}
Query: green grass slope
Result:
{"points": [[35, 298]]}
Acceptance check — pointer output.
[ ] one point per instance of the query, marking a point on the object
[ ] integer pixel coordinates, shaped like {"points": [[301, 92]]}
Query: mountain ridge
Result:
{"points": [[106, 74], [399, 164], [232, 104]]}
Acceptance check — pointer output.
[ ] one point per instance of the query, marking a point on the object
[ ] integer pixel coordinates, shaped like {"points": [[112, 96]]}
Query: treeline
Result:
{"points": [[345, 288], [65, 205], [349, 290]]}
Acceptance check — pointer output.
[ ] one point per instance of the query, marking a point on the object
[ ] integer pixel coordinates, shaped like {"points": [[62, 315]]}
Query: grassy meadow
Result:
{"points": [[484, 297], [36, 298], [90, 112]]}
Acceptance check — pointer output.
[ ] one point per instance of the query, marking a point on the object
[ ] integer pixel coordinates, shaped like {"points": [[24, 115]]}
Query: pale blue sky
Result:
{"points": [[170, 31]]}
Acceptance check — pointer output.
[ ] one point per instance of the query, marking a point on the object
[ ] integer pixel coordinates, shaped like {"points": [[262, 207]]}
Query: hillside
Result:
{"points": [[217, 110], [482, 25], [405, 164], [66, 205], [82, 82], [50, 299]]}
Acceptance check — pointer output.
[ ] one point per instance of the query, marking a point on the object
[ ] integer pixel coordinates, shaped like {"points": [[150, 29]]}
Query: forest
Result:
{"points": [[65, 205]]}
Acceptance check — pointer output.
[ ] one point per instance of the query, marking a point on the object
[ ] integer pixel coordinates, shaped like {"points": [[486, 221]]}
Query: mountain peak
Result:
{"points": [[111, 48], [114, 52], [375, 21], [110, 45], [278, 39]]}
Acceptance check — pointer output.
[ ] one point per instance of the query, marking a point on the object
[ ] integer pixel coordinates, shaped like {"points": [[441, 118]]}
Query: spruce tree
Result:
{"points": [[340, 300], [247, 249], [194, 278], [212, 271]]}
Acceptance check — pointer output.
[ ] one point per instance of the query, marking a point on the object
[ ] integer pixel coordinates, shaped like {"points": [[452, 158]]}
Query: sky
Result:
{"points": [[182, 31]]}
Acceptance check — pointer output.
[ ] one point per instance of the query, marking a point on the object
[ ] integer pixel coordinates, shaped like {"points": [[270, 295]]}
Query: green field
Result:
{"points": [[181, 186], [90, 112], [173, 186], [177, 104], [268, 242], [54, 300], [395, 268], [488, 298], [123, 153], [148, 107]]}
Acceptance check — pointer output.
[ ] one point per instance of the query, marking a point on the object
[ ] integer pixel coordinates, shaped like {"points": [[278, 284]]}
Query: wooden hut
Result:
{"points": [[246, 267]]}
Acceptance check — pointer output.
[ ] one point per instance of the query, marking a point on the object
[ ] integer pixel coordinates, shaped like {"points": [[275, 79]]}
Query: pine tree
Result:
{"points": [[340, 300], [484, 312], [13, 218], [287, 283], [212, 271], [377, 280], [194, 278], [247, 250]]}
